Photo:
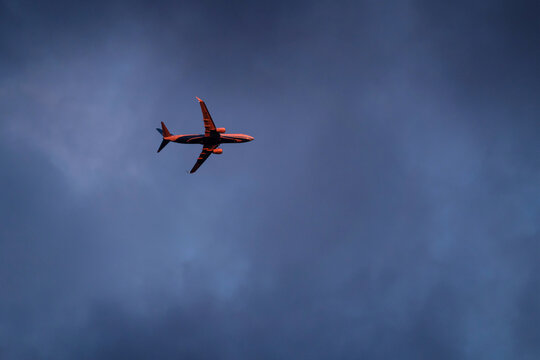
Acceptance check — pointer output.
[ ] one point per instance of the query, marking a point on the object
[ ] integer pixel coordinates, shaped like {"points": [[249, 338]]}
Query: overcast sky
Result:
{"points": [[388, 208]]}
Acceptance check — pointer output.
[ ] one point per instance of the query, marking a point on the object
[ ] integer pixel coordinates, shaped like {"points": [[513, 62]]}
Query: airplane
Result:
{"points": [[210, 140]]}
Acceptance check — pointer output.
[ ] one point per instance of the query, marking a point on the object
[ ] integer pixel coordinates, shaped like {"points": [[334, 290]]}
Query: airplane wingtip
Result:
{"points": [[198, 99]]}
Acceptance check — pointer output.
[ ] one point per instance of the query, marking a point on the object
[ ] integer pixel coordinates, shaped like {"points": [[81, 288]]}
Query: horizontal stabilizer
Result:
{"points": [[166, 132], [163, 144], [159, 131]]}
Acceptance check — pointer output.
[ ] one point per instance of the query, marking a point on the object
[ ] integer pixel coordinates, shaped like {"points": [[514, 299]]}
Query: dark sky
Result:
{"points": [[389, 207]]}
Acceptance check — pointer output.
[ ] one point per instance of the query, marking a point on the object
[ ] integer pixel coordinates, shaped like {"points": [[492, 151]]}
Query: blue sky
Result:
{"points": [[387, 208]]}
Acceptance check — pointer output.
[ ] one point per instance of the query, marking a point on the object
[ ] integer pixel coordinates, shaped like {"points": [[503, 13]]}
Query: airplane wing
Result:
{"points": [[208, 122], [205, 153]]}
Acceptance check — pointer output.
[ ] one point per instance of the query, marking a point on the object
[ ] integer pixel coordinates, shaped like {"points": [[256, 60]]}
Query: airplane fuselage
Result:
{"points": [[209, 140]]}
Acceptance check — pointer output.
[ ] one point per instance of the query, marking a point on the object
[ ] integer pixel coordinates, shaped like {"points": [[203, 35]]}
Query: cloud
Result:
{"points": [[385, 209]]}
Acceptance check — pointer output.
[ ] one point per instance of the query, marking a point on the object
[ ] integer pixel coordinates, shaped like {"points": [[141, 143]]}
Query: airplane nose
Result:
{"points": [[250, 138]]}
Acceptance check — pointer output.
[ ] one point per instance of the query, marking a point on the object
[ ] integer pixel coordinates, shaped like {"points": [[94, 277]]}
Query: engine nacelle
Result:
{"points": [[220, 130], [217, 151]]}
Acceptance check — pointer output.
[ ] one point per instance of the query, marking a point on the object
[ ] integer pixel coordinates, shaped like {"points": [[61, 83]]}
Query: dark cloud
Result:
{"points": [[388, 207]]}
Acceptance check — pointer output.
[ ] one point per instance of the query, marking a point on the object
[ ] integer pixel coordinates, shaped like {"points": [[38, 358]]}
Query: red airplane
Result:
{"points": [[210, 140]]}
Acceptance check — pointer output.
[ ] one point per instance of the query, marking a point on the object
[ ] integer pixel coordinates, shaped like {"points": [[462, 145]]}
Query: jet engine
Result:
{"points": [[220, 130], [217, 151]]}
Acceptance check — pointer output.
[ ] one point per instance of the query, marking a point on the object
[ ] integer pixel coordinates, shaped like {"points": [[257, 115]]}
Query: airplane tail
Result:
{"points": [[165, 133]]}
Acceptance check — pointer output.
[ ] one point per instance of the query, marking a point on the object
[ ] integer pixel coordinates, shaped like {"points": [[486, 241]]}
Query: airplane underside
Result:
{"points": [[210, 140]]}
